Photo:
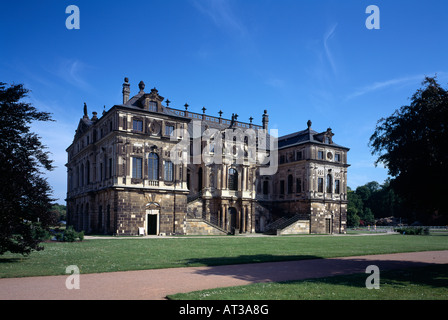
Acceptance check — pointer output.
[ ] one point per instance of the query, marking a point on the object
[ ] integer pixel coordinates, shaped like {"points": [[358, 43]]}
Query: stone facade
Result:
{"points": [[123, 177]]}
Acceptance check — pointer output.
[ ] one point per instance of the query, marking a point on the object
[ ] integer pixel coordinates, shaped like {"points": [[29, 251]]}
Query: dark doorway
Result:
{"points": [[328, 225], [200, 180], [232, 220], [152, 224]]}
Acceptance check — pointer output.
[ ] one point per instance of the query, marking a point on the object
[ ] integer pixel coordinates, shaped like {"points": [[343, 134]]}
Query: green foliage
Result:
{"points": [[411, 143], [373, 201], [413, 230], [39, 233], [59, 211], [24, 193], [70, 235]]}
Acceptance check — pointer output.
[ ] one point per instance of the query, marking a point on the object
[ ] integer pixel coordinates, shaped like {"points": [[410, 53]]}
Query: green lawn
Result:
{"points": [[422, 283], [106, 255]]}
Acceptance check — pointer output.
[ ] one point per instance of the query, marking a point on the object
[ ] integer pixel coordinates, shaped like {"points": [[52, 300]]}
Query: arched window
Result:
{"points": [[329, 184], [233, 179], [153, 166]]}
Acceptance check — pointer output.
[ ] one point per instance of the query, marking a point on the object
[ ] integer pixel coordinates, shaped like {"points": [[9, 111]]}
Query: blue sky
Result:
{"points": [[299, 60]]}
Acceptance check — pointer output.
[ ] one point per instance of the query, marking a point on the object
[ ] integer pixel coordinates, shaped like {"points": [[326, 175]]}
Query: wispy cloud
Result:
{"points": [[71, 71], [275, 82], [327, 37], [222, 15], [384, 84]]}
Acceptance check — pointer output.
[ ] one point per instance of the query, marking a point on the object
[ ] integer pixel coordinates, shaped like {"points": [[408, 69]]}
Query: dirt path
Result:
{"points": [[156, 284]]}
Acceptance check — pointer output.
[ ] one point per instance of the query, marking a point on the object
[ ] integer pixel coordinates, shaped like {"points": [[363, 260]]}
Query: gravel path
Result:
{"points": [[157, 284]]}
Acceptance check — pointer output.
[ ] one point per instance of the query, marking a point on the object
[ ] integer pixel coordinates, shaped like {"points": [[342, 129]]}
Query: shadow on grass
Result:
{"points": [[249, 268], [12, 260], [246, 259]]}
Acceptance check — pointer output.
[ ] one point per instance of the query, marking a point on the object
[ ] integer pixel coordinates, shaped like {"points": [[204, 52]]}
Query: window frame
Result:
{"points": [[153, 166], [136, 125], [168, 170], [137, 174], [320, 184], [232, 179]]}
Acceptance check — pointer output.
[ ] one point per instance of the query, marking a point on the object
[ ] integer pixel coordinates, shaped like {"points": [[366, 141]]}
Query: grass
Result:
{"points": [[421, 283], [107, 255]]}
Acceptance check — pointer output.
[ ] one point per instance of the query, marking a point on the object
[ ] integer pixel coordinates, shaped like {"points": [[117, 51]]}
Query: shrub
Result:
{"points": [[39, 233], [69, 235], [413, 230]]}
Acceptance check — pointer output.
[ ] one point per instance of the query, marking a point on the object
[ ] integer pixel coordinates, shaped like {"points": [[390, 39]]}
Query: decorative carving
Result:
{"points": [[155, 127]]}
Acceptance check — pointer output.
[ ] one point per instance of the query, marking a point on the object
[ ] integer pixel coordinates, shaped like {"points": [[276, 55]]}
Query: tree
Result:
{"points": [[24, 194], [354, 208], [411, 143]]}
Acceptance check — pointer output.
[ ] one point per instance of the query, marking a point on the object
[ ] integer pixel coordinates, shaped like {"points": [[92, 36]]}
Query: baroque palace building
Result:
{"points": [[144, 168]]}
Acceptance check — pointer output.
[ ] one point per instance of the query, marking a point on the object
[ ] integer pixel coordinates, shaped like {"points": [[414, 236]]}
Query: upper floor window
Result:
{"points": [[169, 176], [233, 179], [110, 167], [81, 173], [282, 186], [137, 125], [337, 186], [337, 157], [298, 185], [136, 168], [290, 183], [153, 166], [320, 184], [265, 187], [320, 155], [329, 184], [153, 106], [282, 159], [299, 155], [169, 130]]}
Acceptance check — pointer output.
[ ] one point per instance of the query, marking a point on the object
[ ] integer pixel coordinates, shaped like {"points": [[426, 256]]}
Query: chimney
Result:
{"points": [[265, 120], [126, 90]]}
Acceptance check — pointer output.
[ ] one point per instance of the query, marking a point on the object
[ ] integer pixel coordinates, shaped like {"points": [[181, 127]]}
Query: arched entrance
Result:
{"points": [[232, 219]]}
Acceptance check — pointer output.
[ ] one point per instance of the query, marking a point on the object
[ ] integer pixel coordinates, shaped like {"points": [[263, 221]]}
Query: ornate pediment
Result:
{"points": [[83, 126]]}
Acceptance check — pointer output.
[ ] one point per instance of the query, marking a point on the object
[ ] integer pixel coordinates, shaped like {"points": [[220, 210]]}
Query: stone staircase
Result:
{"points": [[284, 222], [196, 221]]}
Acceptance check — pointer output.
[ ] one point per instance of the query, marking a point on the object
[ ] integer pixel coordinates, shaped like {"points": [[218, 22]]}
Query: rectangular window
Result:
{"points": [[110, 167], [337, 188], [320, 184], [299, 155], [282, 159], [169, 130], [136, 168], [298, 185], [282, 187], [320, 155], [265, 187], [153, 106], [337, 157], [168, 171], [137, 125]]}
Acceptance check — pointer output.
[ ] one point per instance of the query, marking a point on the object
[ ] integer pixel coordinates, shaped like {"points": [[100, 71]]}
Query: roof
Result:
{"points": [[306, 136]]}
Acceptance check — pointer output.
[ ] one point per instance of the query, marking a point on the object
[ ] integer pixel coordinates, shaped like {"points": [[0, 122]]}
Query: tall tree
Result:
{"points": [[411, 143], [25, 196]]}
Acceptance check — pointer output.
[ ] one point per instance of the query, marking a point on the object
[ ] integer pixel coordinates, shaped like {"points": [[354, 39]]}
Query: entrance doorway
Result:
{"points": [[232, 219], [152, 222], [328, 225]]}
